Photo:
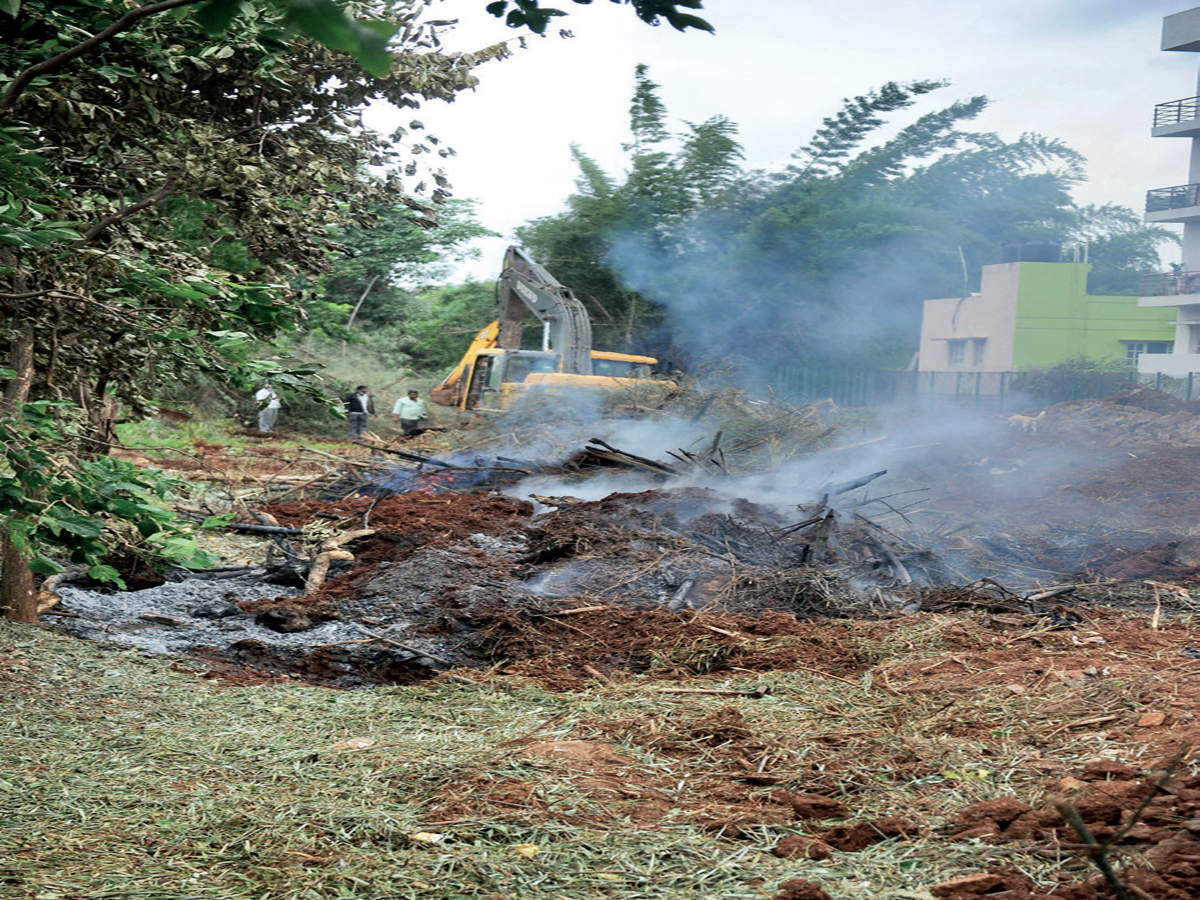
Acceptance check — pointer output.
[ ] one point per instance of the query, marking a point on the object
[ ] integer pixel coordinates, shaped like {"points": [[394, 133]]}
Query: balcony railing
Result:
{"points": [[1169, 284], [1177, 111], [1178, 197]]}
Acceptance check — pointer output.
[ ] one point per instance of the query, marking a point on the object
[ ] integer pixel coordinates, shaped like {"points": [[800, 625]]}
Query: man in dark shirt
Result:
{"points": [[359, 405]]}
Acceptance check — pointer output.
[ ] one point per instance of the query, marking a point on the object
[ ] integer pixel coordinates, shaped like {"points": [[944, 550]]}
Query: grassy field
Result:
{"points": [[123, 776]]}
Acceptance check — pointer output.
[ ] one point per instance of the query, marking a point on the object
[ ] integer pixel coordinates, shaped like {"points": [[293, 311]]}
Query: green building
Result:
{"points": [[1033, 315]]}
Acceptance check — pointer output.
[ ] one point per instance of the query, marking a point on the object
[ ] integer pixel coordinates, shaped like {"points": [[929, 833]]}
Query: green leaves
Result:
{"points": [[372, 49], [217, 15], [12, 7], [71, 523], [55, 507], [529, 14], [324, 21], [366, 39], [44, 565]]}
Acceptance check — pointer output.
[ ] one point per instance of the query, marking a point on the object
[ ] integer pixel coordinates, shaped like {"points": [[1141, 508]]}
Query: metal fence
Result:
{"points": [[1174, 112], [1177, 197], [1167, 284], [1000, 391]]}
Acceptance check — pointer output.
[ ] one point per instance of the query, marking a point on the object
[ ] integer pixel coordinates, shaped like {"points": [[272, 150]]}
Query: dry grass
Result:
{"points": [[122, 776]]}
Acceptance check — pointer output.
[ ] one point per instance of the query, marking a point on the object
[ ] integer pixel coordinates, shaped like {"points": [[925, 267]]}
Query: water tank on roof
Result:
{"points": [[1031, 251]]}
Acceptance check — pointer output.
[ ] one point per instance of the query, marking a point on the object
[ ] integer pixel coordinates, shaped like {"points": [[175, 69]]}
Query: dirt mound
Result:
{"points": [[1140, 420], [1175, 561], [558, 650], [1159, 816], [1144, 397], [800, 889], [404, 524]]}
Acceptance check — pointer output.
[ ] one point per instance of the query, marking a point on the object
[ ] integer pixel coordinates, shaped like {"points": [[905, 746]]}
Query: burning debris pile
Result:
{"points": [[406, 584], [411, 564]]}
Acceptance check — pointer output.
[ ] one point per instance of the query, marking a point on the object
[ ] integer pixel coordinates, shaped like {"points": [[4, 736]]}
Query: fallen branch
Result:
{"points": [[1096, 851], [248, 528], [406, 647], [597, 674], [47, 597], [319, 570], [718, 692], [581, 609], [346, 537], [1051, 592]]}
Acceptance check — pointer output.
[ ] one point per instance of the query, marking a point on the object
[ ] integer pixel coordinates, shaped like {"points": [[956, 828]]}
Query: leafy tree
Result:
{"points": [[443, 320], [710, 162], [371, 286], [828, 258], [669, 180], [138, 152], [1120, 247]]}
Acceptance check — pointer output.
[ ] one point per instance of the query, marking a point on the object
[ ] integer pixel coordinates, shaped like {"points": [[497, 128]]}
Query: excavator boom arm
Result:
{"points": [[525, 285]]}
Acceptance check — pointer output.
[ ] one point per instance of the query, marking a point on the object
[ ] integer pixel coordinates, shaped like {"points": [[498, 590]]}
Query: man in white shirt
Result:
{"points": [[268, 408], [410, 413]]}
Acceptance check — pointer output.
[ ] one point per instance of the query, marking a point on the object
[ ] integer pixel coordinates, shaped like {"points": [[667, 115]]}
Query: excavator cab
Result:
{"points": [[495, 375]]}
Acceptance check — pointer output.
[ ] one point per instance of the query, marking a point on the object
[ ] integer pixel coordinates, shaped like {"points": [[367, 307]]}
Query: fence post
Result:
{"points": [[1191, 378], [1158, 381]]}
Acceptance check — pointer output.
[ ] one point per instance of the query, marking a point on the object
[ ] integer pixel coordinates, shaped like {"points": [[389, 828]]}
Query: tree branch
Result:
{"points": [[126, 211], [1095, 850], [21, 82]]}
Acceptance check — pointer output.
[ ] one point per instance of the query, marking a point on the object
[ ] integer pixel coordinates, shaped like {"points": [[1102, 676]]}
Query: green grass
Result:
{"points": [[161, 434], [154, 437], [121, 777]]}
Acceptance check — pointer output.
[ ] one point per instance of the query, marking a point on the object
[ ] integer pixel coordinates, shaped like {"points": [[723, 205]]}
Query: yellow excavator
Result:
{"points": [[495, 371]]}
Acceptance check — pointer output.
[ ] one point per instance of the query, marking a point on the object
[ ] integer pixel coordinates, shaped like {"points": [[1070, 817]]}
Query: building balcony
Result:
{"points": [[1177, 118], [1171, 365], [1169, 289], [1181, 31], [1180, 203]]}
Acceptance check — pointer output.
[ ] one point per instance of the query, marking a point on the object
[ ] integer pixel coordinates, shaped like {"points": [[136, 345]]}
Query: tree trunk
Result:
{"points": [[18, 598], [358, 305]]}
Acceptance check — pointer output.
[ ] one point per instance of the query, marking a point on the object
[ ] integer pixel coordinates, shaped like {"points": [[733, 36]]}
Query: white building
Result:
{"points": [[1181, 204]]}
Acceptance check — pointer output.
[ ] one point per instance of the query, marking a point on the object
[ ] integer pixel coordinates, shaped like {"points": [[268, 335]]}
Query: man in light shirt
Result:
{"points": [[410, 413], [268, 408]]}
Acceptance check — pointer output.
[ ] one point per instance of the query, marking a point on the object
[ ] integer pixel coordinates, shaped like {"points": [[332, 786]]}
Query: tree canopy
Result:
{"points": [[168, 183], [826, 259]]}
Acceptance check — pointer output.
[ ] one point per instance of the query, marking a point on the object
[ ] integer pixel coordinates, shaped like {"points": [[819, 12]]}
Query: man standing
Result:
{"points": [[410, 413], [268, 408], [359, 405]]}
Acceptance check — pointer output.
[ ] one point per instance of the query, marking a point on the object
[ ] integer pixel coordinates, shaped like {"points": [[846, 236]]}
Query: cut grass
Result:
{"points": [[123, 776]]}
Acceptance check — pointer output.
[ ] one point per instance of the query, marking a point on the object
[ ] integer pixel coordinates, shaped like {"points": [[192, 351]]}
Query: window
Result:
{"points": [[620, 368], [1134, 349], [978, 345], [957, 352]]}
